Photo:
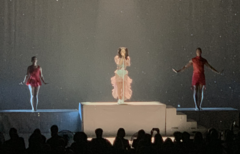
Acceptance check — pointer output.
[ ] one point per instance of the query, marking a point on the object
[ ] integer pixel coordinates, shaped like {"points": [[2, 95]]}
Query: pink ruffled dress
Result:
{"points": [[119, 78]]}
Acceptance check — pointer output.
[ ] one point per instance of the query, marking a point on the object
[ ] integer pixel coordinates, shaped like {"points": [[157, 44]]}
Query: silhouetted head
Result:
{"points": [[213, 134], [121, 133], [198, 138], [168, 143], [178, 136], [185, 137], [123, 52], [99, 133], [34, 59], [80, 136], [229, 135], [54, 130], [147, 139], [13, 133], [37, 131], [158, 139], [141, 134], [199, 52]]}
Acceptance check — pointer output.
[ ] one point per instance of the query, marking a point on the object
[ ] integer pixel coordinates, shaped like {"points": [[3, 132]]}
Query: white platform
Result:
{"points": [[132, 116], [177, 121]]}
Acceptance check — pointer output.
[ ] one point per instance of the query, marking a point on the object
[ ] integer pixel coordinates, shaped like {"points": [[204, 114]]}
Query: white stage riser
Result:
{"points": [[131, 116]]}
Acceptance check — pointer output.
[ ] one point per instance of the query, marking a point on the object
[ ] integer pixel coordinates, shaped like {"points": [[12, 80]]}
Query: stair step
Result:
{"points": [[191, 120], [199, 127], [169, 106], [180, 113], [177, 121]]}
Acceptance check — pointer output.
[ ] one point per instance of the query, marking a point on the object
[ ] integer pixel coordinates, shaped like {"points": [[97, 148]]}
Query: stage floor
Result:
{"points": [[220, 118], [127, 115], [41, 110], [26, 121], [208, 109], [130, 103]]}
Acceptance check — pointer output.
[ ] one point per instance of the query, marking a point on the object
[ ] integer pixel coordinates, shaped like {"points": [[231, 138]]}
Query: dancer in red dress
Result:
{"points": [[33, 81], [198, 78]]}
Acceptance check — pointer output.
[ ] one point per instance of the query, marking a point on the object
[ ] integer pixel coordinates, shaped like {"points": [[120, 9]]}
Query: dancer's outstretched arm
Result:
{"points": [[42, 78], [213, 69], [184, 67]]}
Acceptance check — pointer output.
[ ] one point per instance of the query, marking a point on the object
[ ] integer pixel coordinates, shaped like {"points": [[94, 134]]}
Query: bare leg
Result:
{"points": [[34, 97], [202, 87], [30, 90], [119, 85], [195, 96]]}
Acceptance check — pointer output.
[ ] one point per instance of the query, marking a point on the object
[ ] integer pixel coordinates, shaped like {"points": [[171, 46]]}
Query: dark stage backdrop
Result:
{"points": [[76, 40]]}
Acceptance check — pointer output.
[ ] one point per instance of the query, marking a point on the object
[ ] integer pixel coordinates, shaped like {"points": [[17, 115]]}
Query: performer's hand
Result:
{"points": [[45, 83], [21, 83], [175, 71], [221, 72]]}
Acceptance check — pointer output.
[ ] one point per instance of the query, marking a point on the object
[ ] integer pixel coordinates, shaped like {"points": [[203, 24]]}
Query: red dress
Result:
{"points": [[198, 77], [34, 79]]}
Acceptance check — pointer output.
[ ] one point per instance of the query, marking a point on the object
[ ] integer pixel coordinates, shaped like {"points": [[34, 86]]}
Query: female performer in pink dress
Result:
{"points": [[33, 77], [121, 91]]}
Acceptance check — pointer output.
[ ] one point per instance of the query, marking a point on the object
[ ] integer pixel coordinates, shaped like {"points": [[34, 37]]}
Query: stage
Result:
{"points": [[132, 116], [27, 121], [220, 118]]}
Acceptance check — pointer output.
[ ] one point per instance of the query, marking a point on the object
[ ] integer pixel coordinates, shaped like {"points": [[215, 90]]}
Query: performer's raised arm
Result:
{"points": [[128, 61], [213, 69], [184, 67]]}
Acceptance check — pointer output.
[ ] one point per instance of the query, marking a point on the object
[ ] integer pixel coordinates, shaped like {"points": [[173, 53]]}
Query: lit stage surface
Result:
{"points": [[41, 110], [110, 116], [220, 118], [208, 109], [27, 121]]}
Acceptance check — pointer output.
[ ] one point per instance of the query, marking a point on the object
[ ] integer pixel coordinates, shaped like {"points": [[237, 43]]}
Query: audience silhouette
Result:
{"points": [[226, 143], [15, 144], [100, 145], [120, 144]]}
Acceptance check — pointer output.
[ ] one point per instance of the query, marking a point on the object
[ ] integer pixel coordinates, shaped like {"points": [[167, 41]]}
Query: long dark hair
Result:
{"points": [[126, 52]]}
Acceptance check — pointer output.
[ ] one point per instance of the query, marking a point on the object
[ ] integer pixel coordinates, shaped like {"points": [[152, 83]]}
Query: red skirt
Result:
{"points": [[34, 82], [198, 79]]}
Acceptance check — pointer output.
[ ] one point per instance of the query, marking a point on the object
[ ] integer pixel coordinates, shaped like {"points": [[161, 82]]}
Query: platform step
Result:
{"points": [[202, 129], [170, 112], [169, 106], [191, 120], [199, 128], [180, 113], [192, 123]]}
